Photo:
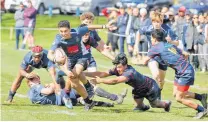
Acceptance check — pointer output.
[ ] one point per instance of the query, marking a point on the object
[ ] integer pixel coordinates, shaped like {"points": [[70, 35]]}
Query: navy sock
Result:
{"points": [[87, 85], [198, 96], [87, 100], [199, 108]]}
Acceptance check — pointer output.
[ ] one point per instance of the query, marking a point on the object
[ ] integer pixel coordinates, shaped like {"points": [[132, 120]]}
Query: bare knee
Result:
{"points": [[178, 98]]}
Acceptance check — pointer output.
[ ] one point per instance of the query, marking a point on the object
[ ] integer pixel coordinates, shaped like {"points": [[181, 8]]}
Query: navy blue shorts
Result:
{"points": [[82, 61], [92, 62], [150, 94], [185, 78]]}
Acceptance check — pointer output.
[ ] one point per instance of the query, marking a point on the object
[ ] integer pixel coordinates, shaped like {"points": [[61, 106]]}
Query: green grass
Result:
{"points": [[22, 109]]}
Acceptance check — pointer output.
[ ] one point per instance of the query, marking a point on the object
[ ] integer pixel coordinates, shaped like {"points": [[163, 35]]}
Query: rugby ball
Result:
{"points": [[58, 53]]}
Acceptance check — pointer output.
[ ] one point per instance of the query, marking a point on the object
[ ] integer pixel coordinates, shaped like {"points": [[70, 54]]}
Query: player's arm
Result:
{"points": [[97, 73], [112, 81], [47, 91], [172, 38], [185, 54]]}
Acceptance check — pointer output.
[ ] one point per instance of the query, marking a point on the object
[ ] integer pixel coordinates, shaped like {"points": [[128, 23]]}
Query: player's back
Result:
{"points": [[173, 57], [37, 98]]}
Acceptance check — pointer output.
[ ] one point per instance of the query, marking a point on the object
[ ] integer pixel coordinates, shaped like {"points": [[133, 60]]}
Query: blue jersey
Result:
{"points": [[95, 35], [44, 62], [37, 98], [90, 43], [135, 79], [72, 47], [171, 55], [147, 30]]}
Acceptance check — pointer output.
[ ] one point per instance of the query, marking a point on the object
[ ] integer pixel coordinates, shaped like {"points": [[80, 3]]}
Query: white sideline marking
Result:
{"points": [[43, 112]]}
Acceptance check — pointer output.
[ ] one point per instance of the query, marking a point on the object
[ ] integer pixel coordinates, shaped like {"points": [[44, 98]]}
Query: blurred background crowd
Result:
{"points": [[187, 18]]}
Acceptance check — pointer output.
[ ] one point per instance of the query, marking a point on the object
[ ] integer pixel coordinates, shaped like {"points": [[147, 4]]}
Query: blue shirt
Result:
{"points": [[171, 55], [147, 30], [135, 79], [95, 35], [72, 47], [44, 62], [37, 98], [90, 43]]}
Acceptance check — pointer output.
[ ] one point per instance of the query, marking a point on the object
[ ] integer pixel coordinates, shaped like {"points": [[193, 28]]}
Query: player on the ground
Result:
{"points": [[184, 72], [36, 58], [45, 94], [143, 86], [157, 67], [70, 41]]}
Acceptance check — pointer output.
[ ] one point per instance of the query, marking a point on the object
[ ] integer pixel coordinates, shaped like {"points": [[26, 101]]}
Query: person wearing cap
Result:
{"points": [[34, 59], [157, 67], [181, 21], [143, 86], [19, 24], [121, 24], [189, 38], [70, 41]]}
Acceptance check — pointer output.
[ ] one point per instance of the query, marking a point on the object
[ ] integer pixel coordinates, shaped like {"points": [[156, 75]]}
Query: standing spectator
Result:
{"points": [[203, 47], [112, 15], [172, 22], [189, 38], [180, 22], [143, 21], [129, 30], [121, 24], [29, 24], [164, 10], [19, 25]]}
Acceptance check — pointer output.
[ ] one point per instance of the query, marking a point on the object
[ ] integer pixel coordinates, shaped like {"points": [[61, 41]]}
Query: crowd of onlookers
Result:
{"points": [[191, 29], [25, 23]]}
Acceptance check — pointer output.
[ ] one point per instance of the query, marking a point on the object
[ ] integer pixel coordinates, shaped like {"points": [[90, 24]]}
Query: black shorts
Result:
{"points": [[149, 93], [82, 61]]}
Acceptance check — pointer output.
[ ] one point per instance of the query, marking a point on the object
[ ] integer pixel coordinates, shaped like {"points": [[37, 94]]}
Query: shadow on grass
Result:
{"points": [[13, 104], [112, 110]]}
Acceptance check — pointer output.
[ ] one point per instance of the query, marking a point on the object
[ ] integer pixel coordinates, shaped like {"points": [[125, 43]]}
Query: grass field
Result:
{"points": [[22, 109]]}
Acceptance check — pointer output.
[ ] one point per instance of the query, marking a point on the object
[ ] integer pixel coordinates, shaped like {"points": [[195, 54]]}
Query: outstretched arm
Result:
{"points": [[97, 73], [104, 50], [111, 81]]}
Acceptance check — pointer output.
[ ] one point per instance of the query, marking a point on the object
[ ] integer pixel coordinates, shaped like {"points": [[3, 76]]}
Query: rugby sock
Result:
{"points": [[87, 85], [11, 95], [87, 100], [102, 93], [159, 94], [199, 108], [198, 96]]}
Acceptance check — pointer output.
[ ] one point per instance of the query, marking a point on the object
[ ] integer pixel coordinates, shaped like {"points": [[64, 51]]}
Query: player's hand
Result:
{"points": [[31, 75], [168, 38], [98, 80], [93, 81], [61, 60], [70, 74]]}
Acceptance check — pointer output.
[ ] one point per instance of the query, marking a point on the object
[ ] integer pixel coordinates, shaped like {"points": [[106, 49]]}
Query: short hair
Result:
{"points": [[64, 23], [158, 34], [156, 16], [87, 15], [120, 59]]}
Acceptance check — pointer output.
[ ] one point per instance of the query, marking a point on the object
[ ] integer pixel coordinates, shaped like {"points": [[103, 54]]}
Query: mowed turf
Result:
{"points": [[23, 109]]}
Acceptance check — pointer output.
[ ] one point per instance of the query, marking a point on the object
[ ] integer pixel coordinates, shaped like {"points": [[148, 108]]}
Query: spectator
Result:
{"points": [[203, 47], [189, 39], [172, 22], [19, 25], [180, 22], [164, 10], [121, 24], [29, 24], [112, 15], [143, 21]]}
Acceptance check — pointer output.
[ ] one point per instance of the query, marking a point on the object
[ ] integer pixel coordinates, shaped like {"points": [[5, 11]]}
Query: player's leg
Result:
{"points": [[153, 98], [140, 106], [181, 97], [157, 74], [16, 84]]}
